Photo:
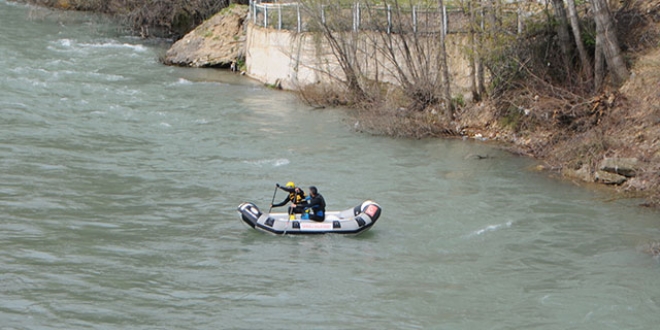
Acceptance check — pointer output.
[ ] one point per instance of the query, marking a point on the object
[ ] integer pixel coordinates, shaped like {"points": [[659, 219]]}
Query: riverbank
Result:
{"points": [[612, 138], [616, 141]]}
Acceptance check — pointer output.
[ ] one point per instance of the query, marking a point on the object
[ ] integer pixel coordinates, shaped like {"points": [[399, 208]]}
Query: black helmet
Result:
{"points": [[313, 190]]}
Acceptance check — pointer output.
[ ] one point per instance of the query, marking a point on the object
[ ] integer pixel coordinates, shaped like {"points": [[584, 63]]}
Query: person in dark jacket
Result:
{"points": [[296, 195], [314, 205]]}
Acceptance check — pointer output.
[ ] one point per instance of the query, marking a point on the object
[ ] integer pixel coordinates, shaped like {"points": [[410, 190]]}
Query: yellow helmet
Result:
{"points": [[290, 184]]}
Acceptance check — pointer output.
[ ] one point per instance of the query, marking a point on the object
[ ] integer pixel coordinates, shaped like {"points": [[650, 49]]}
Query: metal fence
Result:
{"points": [[360, 16]]}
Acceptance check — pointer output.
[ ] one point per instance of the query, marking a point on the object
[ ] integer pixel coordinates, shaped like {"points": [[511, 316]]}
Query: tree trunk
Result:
{"points": [[489, 12], [481, 79], [606, 30], [599, 64], [446, 90], [564, 36], [344, 45], [575, 25], [474, 59]]}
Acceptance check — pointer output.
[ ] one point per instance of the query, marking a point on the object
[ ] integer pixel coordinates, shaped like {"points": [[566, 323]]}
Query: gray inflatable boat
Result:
{"points": [[351, 221]]}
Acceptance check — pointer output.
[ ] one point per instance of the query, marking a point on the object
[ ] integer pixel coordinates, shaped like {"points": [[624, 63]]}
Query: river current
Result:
{"points": [[120, 178]]}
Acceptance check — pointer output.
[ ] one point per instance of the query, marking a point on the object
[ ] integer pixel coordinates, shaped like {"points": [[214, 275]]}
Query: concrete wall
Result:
{"points": [[293, 60]]}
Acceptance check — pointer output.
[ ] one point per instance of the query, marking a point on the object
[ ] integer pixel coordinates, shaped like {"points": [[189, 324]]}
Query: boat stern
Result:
{"points": [[250, 213]]}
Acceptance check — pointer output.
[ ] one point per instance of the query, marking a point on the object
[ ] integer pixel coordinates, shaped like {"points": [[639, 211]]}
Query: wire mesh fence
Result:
{"points": [[298, 17]]}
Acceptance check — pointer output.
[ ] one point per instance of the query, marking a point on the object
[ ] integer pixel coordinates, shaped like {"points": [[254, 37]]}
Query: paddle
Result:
{"points": [[291, 211], [273, 200]]}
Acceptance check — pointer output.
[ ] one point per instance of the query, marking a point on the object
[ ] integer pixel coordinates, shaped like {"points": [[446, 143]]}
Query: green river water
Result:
{"points": [[120, 178]]}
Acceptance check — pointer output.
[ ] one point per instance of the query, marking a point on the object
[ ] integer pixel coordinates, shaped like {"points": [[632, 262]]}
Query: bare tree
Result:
{"points": [[481, 79], [606, 33], [372, 50], [563, 35], [474, 11], [342, 38], [599, 63], [575, 26], [409, 56], [490, 14], [444, 67]]}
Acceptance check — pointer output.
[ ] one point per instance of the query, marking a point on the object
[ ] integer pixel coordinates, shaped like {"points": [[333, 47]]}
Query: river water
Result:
{"points": [[120, 178]]}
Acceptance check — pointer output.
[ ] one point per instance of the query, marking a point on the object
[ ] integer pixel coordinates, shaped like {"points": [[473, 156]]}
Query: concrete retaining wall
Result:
{"points": [[293, 60]]}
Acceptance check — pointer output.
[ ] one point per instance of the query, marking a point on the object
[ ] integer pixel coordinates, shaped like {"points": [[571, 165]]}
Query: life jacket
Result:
{"points": [[297, 198]]}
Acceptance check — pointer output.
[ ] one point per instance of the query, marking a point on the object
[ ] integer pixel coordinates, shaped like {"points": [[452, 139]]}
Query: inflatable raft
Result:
{"points": [[353, 221]]}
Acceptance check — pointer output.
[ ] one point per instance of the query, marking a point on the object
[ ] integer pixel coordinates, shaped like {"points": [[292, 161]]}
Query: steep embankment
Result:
{"points": [[218, 42], [618, 143]]}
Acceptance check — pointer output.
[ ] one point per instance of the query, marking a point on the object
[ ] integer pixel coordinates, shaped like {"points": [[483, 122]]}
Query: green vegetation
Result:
{"points": [[511, 119]]}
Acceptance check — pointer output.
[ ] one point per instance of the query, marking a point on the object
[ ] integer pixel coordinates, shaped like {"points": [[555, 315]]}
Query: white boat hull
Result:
{"points": [[353, 221]]}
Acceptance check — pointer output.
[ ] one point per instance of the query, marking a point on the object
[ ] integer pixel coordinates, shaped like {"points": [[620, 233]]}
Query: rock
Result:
{"points": [[478, 157], [582, 174], [539, 168], [652, 248], [622, 166], [609, 178], [218, 41]]}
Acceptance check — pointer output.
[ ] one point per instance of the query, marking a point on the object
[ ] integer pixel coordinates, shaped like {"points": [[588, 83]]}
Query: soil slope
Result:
{"points": [[621, 127]]}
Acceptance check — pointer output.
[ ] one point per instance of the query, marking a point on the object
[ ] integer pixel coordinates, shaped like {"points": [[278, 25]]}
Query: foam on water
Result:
{"points": [[491, 228], [268, 162]]}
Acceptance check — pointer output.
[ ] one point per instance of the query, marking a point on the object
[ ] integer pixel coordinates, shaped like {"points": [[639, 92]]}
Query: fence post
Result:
{"points": [[298, 15], [444, 20], [357, 22], [389, 19], [414, 18], [323, 14], [265, 16], [279, 17], [253, 6], [520, 23], [356, 17]]}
